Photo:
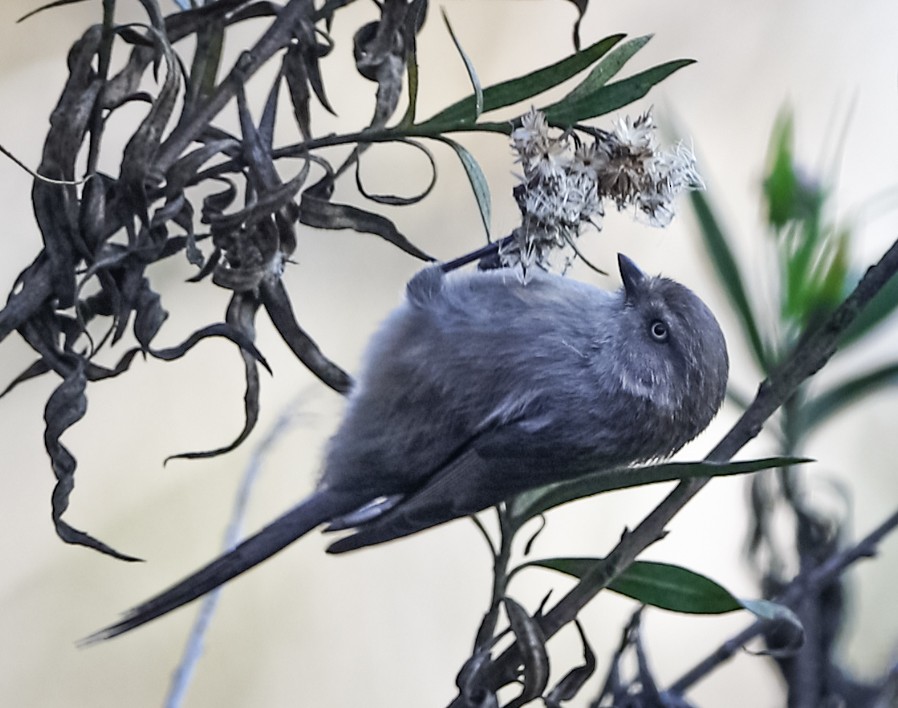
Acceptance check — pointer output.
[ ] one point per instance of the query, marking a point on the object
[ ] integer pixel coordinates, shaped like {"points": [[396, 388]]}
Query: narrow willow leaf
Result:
{"points": [[65, 407], [663, 585], [729, 274], [674, 588], [277, 304], [184, 170], [323, 214], [571, 683], [611, 97], [532, 503], [148, 315], [206, 65], [269, 115], [48, 6], [294, 69], [479, 185], [819, 408], [520, 89], [29, 293], [256, 152], [469, 67], [139, 153], [214, 330], [241, 316], [411, 75], [829, 277], [607, 67], [781, 182], [37, 368], [247, 12], [95, 372], [311, 54], [55, 207], [532, 644]]}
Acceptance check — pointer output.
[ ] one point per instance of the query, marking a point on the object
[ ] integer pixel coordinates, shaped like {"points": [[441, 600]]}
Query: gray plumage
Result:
{"points": [[478, 387]]}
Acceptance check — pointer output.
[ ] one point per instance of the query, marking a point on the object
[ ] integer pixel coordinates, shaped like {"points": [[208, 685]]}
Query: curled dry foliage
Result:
{"points": [[101, 235]]}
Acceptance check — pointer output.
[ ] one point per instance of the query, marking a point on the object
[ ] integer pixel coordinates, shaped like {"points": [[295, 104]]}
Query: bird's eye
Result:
{"points": [[659, 331]]}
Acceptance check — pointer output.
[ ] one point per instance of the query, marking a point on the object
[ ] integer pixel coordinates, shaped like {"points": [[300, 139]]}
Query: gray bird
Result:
{"points": [[479, 387]]}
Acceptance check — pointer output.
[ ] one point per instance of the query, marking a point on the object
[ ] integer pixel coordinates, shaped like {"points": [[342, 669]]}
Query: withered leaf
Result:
{"points": [[532, 644], [220, 329], [240, 316], [324, 214], [65, 407], [277, 304], [571, 683]]}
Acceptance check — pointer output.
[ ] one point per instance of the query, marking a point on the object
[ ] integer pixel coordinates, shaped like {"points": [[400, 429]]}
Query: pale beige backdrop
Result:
{"points": [[390, 626]]}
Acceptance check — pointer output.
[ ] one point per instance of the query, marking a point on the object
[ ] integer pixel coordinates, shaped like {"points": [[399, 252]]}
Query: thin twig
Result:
{"points": [[808, 357], [817, 578], [193, 649], [501, 557], [490, 249]]}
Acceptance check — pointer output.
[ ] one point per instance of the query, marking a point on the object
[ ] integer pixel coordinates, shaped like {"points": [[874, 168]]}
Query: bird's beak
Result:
{"points": [[631, 275]]}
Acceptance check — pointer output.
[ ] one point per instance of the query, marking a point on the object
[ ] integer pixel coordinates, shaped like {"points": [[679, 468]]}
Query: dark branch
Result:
{"points": [[808, 357], [802, 586]]}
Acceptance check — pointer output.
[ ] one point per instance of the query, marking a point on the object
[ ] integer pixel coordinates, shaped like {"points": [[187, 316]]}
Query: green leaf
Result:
{"points": [[669, 587], [674, 588], [532, 503], [819, 409], [830, 274], [611, 96], [728, 273], [791, 195], [469, 67], [520, 89], [607, 68], [780, 185], [479, 185]]}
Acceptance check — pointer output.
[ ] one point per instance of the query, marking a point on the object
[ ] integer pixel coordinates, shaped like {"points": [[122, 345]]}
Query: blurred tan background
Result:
{"points": [[390, 626]]}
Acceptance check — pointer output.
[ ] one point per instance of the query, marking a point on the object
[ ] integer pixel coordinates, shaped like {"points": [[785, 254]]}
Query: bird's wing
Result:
{"points": [[490, 469], [452, 492]]}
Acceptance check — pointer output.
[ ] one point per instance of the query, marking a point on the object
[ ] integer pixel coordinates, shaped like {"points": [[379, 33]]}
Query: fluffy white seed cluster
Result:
{"points": [[566, 181]]}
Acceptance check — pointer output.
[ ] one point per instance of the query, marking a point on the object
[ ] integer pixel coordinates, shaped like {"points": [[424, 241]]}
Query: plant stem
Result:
{"points": [[501, 558], [808, 357], [819, 577]]}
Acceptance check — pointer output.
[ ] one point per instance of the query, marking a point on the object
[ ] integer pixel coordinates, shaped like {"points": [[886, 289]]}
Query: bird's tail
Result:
{"points": [[318, 508]]}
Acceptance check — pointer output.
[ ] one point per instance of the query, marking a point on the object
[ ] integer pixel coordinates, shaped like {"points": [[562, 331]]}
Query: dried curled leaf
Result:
{"points": [[66, 406], [532, 644], [241, 318], [324, 214]]}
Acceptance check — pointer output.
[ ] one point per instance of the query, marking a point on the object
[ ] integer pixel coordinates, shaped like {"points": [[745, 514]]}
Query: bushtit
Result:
{"points": [[478, 387]]}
